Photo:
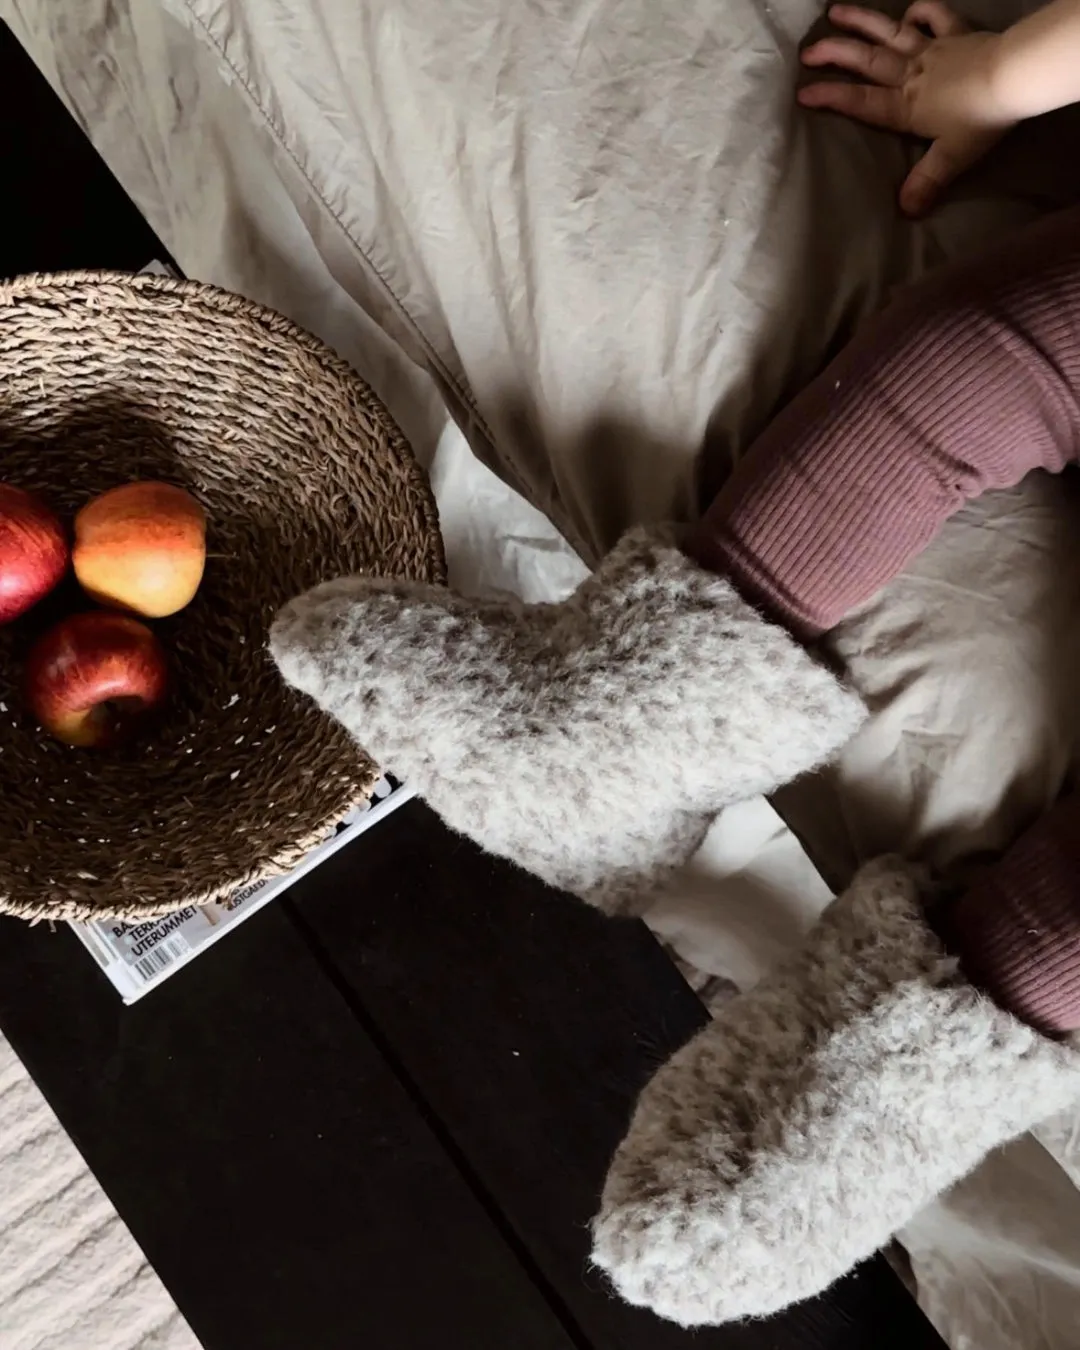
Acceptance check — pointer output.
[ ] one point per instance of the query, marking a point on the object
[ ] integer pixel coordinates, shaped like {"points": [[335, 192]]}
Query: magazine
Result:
{"points": [[137, 957]]}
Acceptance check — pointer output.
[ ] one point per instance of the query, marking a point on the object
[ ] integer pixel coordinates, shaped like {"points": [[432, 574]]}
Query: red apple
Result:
{"points": [[92, 679], [33, 551]]}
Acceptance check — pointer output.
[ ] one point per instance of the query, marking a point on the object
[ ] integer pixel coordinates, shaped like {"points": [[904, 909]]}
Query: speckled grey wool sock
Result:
{"points": [[592, 741], [818, 1114]]}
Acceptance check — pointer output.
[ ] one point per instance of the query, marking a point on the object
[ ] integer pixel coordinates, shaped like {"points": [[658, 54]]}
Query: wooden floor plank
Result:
{"points": [[273, 1169], [528, 1024]]}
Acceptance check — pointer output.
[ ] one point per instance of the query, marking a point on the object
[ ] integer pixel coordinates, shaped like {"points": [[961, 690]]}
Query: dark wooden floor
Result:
{"points": [[379, 1113]]}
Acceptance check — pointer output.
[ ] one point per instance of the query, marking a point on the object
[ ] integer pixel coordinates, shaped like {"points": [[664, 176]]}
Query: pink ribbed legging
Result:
{"points": [[967, 384]]}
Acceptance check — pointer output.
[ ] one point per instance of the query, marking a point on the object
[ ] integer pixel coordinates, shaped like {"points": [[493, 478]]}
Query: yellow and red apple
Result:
{"points": [[95, 677], [33, 551], [142, 548]]}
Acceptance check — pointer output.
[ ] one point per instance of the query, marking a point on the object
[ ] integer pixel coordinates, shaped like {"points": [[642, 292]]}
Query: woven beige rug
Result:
{"points": [[71, 1277]]}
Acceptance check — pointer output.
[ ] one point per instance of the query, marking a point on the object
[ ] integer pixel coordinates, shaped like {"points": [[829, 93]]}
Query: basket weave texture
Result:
{"points": [[107, 378]]}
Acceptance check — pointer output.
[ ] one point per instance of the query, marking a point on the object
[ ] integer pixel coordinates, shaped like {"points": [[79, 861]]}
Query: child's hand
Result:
{"points": [[939, 87]]}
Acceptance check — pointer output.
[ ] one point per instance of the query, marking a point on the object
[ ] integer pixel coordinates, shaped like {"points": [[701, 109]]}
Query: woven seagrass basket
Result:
{"points": [[107, 378]]}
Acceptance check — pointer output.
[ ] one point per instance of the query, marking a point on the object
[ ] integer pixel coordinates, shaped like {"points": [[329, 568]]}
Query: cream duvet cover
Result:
{"points": [[601, 235]]}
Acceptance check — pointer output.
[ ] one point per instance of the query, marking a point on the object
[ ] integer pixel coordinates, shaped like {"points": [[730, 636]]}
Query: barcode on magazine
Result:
{"points": [[161, 958], [136, 957]]}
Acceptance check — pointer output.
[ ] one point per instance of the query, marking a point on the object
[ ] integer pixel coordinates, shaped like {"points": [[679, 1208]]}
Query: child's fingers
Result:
{"points": [[925, 182], [944, 161], [872, 62], [878, 27], [936, 16], [865, 102]]}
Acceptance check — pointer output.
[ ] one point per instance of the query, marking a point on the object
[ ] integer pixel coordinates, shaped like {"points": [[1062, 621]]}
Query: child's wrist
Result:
{"points": [[1009, 95], [1022, 79]]}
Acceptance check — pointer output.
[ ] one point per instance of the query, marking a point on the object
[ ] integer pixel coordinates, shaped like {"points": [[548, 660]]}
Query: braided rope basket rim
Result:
{"points": [[58, 289]]}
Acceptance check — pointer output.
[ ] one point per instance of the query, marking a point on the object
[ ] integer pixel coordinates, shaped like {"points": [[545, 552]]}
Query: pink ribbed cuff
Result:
{"points": [[1017, 930]]}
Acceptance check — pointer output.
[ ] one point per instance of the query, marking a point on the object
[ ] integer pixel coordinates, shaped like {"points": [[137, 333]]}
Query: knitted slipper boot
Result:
{"points": [[817, 1114], [592, 741]]}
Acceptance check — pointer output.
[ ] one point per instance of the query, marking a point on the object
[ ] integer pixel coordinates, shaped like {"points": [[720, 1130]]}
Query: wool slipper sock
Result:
{"points": [[817, 1114], [591, 741]]}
